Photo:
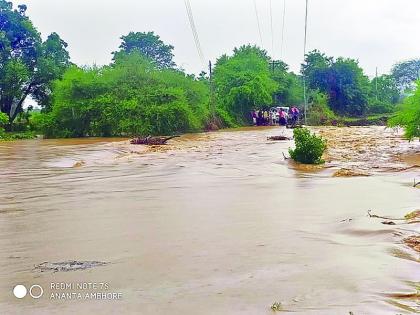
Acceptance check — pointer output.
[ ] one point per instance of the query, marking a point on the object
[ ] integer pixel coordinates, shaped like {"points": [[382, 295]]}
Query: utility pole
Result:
{"points": [[376, 82], [212, 102], [304, 56], [273, 64], [282, 30]]}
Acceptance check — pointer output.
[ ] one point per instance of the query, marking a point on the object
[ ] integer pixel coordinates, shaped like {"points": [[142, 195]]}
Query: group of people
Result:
{"points": [[261, 118], [281, 117]]}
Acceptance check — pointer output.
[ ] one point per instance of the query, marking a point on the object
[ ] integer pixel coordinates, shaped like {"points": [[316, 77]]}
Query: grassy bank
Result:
{"points": [[11, 136], [373, 120]]}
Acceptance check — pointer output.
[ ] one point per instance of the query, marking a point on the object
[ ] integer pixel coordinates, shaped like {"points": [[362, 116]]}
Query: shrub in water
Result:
{"points": [[309, 147]]}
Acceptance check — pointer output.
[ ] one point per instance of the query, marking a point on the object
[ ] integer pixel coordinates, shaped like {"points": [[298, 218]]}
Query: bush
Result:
{"points": [[408, 115], [309, 147], [128, 98], [242, 83], [225, 118], [4, 119], [320, 113], [10, 136], [380, 107]]}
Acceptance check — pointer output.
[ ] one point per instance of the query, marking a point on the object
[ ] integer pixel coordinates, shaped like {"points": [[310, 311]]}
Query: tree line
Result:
{"points": [[142, 91]]}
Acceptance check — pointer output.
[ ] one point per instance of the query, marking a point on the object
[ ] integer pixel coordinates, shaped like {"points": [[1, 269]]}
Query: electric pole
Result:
{"points": [[305, 100], [273, 64], [376, 82], [212, 103]]}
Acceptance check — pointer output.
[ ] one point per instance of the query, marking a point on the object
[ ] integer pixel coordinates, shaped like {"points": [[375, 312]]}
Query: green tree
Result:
{"points": [[319, 113], [52, 62], [384, 94], [408, 115], [342, 80], [245, 50], [27, 65], [385, 89], [406, 73], [317, 70], [243, 82], [129, 97], [149, 45], [289, 85], [349, 87]]}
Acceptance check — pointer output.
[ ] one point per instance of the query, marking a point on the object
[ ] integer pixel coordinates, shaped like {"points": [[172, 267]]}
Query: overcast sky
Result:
{"points": [[376, 32]]}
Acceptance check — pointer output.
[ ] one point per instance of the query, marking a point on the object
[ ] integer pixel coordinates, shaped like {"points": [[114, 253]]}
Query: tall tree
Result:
{"points": [[52, 62], [342, 80], [408, 115], [406, 73], [248, 49], [27, 65], [243, 82], [149, 45], [349, 87], [316, 70], [385, 89], [130, 97], [289, 85]]}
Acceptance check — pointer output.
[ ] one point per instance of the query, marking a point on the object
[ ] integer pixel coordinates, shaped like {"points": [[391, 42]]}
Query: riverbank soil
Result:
{"points": [[211, 223]]}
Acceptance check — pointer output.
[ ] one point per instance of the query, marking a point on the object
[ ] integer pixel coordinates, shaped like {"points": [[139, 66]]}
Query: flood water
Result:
{"points": [[216, 223]]}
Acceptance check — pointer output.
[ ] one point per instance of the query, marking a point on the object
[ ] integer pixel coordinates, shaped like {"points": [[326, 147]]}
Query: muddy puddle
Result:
{"points": [[213, 223]]}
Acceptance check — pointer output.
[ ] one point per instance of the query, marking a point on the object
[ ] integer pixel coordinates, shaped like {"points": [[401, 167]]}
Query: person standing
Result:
{"points": [[265, 118], [282, 117], [295, 115], [260, 118], [254, 117]]}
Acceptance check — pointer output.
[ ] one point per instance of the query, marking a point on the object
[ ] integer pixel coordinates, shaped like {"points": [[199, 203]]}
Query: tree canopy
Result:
{"points": [[384, 94], [289, 85], [409, 115], [342, 79], [150, 45], [406, 73], [243, 82], [28, 66], [130, 97]]}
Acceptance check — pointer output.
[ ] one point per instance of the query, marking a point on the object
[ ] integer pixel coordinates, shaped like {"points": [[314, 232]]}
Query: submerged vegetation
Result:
{"points": [[309, 147], [143, 92]]}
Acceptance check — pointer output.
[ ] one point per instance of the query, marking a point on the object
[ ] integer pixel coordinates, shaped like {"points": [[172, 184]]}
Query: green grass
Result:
{"points": [[371, 120], [11, 136]]}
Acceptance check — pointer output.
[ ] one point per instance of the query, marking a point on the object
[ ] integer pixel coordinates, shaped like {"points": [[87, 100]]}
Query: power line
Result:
{"points": [[194, 30], [304, 56], [258, 22], [271, 25], [282, 30], [376, 82], [306, 27]]}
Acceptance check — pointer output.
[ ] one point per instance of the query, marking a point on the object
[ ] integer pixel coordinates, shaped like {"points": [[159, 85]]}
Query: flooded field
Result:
{"points": [[213, 223]]}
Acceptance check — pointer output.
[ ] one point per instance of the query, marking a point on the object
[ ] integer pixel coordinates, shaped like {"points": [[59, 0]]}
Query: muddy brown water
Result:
{"points": [[215, 223]]}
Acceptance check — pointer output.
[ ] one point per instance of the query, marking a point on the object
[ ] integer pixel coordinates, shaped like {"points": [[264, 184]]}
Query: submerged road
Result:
{"points": [[214, 223]]}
